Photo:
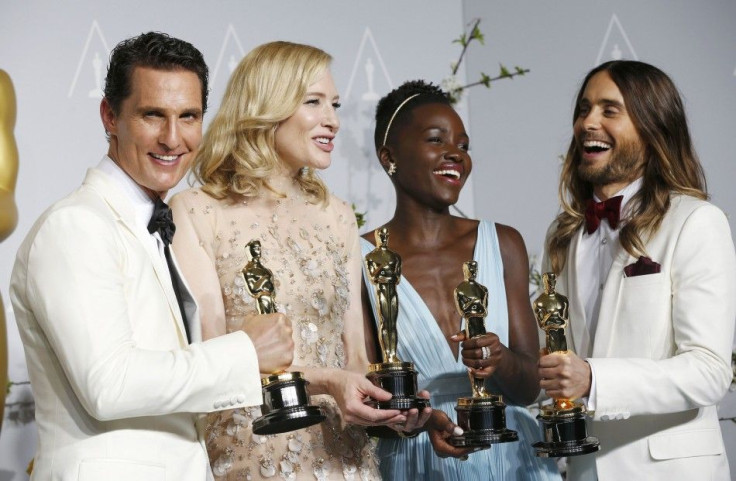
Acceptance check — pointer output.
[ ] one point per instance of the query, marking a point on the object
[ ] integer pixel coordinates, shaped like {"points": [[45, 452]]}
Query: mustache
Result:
{"points": [[592, 136]]}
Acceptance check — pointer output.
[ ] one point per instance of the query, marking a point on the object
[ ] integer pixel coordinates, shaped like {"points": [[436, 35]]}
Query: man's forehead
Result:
{"points": [[163, 87]]}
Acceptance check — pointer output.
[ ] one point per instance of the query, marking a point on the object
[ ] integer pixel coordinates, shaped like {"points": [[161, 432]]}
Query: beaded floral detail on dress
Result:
{"points": [[304, 245]]}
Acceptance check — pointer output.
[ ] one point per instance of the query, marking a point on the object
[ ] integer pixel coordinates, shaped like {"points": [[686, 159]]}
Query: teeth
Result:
{"points": [[165, 158], [596, 143], [451, 172], [323, 140]]}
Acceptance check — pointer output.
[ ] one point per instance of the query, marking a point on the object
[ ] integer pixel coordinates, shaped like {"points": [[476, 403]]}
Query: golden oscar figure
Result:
{"points": [[563, 422], [285, 400], [393, 375], [8, 210], [481, 416]]}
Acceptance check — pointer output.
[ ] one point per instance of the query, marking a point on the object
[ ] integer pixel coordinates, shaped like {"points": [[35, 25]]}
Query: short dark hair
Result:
{"points": [[428, 94], [156, 50]]}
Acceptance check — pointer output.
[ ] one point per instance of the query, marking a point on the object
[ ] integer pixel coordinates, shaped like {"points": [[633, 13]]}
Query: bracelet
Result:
{"points": [[409, 435]]}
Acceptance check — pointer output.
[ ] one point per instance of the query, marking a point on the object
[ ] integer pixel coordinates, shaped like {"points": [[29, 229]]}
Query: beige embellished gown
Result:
{"points": [[314, 254]]}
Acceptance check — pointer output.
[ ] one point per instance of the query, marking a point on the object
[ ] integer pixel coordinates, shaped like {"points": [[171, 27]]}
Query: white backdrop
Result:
{"points": [[56, 51]]}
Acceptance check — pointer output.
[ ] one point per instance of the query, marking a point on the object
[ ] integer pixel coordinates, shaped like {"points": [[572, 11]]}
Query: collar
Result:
{"points": [[134, 193]]}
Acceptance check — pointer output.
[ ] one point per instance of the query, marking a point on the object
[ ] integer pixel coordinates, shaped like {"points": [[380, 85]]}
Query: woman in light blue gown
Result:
{"points": [[422, 144]]}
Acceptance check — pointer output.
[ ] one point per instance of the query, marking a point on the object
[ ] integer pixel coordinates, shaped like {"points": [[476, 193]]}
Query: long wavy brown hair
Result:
{"points": [[671, 165], [238, 152]]}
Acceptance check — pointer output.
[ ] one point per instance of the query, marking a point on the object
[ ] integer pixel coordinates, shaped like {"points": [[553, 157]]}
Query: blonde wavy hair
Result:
{"points": [[238, 153], [671, 165]]}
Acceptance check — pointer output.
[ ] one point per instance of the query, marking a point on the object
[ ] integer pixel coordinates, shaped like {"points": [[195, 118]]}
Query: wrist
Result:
{"points": [[320, 379]]}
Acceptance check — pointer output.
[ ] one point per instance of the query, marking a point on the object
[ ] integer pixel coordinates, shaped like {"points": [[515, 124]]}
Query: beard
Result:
{"points": [[624, 165]]}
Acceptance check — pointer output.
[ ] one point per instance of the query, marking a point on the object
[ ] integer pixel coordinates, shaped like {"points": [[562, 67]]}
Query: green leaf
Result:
{"points": [[485, 80], [478, 35], [462, 40], [504, 72], [359, 217]]}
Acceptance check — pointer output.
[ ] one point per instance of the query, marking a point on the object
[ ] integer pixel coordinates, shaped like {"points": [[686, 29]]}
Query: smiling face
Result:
{"points": [[432, 160], [611, 150], [305, 139], [155, 135]]}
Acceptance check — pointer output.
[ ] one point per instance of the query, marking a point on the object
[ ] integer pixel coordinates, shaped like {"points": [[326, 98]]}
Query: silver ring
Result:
{"points": [[486, 352]]}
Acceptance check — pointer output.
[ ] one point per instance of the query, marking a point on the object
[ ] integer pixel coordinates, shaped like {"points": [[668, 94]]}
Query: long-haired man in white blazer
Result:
{"points": [[117, 384], [650, 275]]}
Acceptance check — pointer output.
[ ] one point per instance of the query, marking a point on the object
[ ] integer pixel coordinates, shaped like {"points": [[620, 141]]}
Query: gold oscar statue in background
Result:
{"points": [[393, 375], [285, 400], [563, 422], [481, 416], [8, 210]]}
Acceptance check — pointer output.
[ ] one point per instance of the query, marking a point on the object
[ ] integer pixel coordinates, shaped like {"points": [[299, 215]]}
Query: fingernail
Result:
{"points": [[457, 431]]}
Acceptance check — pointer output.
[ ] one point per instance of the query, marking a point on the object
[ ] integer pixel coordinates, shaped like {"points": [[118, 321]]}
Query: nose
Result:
{"points": [[330, 119], [592, 120], [456, 154], [170, 135]]}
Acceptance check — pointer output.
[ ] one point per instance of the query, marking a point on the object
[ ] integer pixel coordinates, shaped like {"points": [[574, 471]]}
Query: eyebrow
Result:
{"points": [[320, 94], [163, 110], [611, 102], [444, 130]]}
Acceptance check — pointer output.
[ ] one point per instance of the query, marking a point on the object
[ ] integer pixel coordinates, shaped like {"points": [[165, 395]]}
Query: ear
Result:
{"points": [[384, 157], [109, 120]]}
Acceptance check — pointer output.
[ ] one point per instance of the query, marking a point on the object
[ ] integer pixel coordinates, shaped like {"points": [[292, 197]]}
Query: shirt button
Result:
{"points": [[600, 286], [604, 241]]}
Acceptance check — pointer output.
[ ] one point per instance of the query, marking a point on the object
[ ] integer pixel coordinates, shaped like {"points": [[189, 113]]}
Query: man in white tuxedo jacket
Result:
{"points": [[118, 386], [649, 268]]}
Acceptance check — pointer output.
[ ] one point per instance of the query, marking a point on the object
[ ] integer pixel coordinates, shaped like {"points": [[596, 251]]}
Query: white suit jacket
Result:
{"points": [[661, 355], [117, 388]]}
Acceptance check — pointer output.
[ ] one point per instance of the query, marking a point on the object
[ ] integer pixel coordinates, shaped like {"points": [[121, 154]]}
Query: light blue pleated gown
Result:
{"points": [[422, 342]]}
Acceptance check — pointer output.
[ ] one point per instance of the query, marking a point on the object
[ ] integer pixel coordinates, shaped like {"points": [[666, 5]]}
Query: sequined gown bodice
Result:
{"points": [[313, 253]]}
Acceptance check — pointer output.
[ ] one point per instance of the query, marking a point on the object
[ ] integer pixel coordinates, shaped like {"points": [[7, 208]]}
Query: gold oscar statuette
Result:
{"points": [[563, 421], [481, 416], [393, 375], [285, 400], [8, 209]]}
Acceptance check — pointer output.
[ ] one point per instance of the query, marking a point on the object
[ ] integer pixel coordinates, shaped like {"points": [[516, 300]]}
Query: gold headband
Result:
{"points": [[388, 127]]}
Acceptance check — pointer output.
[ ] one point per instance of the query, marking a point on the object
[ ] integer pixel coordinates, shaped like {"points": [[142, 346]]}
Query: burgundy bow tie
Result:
{"points": [[597, 211]]}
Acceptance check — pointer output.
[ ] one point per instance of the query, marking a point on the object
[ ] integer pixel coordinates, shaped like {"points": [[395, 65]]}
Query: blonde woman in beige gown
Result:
{"points": [[275, 126]]}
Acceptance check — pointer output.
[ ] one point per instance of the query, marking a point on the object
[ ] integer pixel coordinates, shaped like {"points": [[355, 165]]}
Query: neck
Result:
{"points": [[153, 195], [420, 224], [605, 192]]}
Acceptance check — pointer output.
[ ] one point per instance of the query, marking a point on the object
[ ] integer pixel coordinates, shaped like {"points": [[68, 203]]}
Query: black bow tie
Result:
{"points": [[597, 211], [162, 222]]}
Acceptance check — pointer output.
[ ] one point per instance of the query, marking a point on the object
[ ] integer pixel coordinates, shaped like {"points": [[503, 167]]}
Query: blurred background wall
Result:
{"points": [[56, 53]]}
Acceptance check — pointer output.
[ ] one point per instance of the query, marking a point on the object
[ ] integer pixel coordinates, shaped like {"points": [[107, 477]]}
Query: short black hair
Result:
{"points": [[428, 94], [156, 50]]}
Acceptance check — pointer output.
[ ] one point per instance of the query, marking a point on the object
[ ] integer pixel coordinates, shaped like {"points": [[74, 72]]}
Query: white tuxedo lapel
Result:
{"points": [[125, 215]]}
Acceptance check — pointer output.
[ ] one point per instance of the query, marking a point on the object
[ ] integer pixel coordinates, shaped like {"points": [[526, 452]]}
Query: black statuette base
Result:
{"points": [[565, 434], [400, 379], [286, 405], [483, 421]]}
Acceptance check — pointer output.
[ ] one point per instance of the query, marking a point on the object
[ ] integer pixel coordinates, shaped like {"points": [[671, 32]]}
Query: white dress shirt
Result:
{"points": [[595, 257]]}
